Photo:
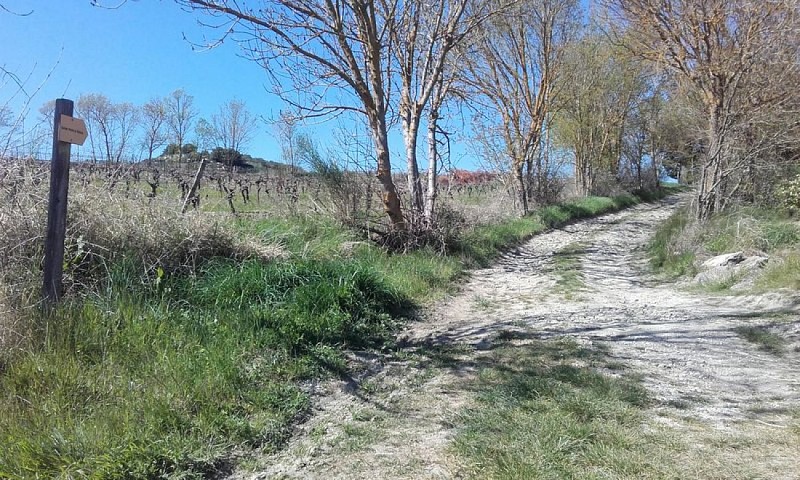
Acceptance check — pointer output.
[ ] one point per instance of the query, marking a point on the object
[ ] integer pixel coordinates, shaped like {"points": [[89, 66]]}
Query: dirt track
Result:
{"points": [[395, 419]]}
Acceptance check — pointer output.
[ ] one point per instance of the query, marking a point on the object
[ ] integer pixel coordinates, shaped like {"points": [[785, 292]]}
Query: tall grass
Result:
{"points": [[154, 381], [680, 243], [666, 254], [749, 228]]}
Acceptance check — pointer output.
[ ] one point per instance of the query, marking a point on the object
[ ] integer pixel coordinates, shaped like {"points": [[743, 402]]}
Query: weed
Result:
{"points": [[484, 304], [356, 436], [567, 267], [724, 284], [369, 387], [665, 255], [761, 336]]}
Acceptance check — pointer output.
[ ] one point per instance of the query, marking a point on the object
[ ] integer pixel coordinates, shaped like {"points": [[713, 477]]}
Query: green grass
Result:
{"points": [[567, 267], [750, 228], [557, 215], [304, 237], [422, 275], [167, 375], [679, 242], [171, 378], [783, 271], [544, 411], [763, 338], [665, 256]]}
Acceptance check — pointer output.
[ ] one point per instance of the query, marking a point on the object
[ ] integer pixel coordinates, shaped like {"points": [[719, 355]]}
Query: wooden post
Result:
{"points": [[57, 209], [195, 185]]}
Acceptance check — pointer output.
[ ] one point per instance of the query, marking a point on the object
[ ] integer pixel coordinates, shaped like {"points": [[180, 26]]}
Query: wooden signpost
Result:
{"points": [[71, 130], [66, 131]]}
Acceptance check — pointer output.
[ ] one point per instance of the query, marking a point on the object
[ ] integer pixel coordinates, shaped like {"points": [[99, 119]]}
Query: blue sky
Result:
{"points": [[144, 50], [129, 54]]}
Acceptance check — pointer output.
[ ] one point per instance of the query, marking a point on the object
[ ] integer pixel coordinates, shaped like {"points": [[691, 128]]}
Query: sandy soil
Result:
{"points": [[395, 417]]}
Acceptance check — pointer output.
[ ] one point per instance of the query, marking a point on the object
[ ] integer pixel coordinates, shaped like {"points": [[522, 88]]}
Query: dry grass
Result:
{"points": [[13, 329], [743, 450], [106, 228]]}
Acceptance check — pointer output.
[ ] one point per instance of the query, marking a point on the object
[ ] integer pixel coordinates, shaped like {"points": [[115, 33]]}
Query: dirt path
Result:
{"points": [[396, 418]]}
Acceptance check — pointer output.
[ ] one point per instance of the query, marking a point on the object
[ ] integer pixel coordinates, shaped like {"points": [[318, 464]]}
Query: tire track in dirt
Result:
{"points": [[683, 345]]}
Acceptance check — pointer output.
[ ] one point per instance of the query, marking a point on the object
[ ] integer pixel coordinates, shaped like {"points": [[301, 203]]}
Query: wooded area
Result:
{"points": [[702, 89]]}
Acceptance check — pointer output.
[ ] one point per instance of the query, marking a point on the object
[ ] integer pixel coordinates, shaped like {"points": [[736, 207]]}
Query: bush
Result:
{"points": [[229, 157]]}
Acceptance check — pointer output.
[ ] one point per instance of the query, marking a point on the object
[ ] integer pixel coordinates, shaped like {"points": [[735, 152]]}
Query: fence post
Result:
{"points": [[57, 210], [195, 185]]}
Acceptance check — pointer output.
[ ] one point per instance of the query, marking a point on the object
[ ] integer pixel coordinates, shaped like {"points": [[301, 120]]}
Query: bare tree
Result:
{"points": [[233, 127], [206, 137], [424, 38], [16, 94], [15, 105], [514, 70], [286, 131], [126, 118], [322, 46], [40, 135], [96, 109], [439, 95], [716, 48], [111, 126], [154, 117], [6, 122], [180, 116]]}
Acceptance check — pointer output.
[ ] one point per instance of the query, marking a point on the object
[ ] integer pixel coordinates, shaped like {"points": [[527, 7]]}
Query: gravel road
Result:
{"points": [[395, 418]]}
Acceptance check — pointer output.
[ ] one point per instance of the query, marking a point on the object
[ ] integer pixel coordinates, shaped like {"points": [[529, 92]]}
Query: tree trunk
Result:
{"points": [[391, 201], [707, 201], [583, 175], [522, 194], [656, 169], [433, 165], [410, 132], [529, 177]]}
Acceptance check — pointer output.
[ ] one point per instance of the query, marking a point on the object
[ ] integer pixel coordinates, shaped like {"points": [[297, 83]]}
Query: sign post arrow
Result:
{"points": [[71, 130]]}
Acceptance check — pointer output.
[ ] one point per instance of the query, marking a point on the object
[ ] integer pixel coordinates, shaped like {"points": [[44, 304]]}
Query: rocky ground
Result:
{"points": [[730, 400]]}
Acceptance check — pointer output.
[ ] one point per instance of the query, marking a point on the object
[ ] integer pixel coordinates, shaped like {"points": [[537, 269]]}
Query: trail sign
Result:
{"points": [[66, 130], [71, 130]]}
